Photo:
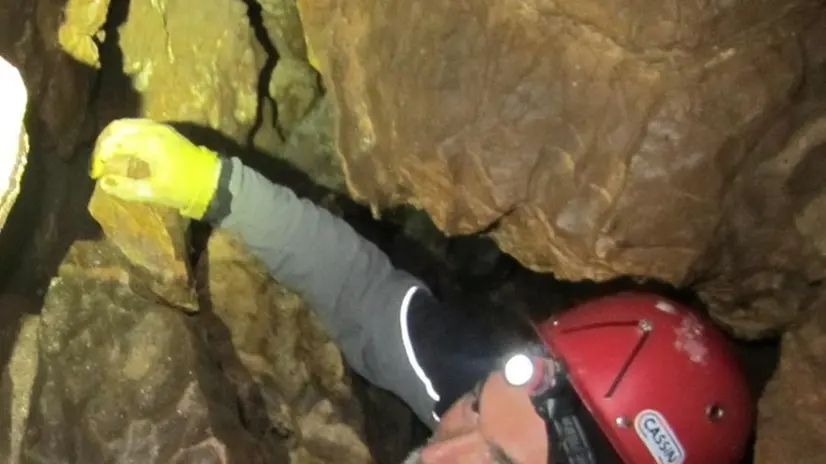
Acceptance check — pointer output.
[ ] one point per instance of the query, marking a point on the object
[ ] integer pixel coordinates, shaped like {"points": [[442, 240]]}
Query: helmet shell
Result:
{"points": [[661, 381]]}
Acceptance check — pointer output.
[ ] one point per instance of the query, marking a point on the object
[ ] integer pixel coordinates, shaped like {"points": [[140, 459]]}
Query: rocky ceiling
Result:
{"points": [[590, 139]]}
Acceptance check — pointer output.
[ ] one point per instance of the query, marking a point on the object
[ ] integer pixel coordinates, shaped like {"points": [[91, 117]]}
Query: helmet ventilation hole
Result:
{"points": [[714, 412]]}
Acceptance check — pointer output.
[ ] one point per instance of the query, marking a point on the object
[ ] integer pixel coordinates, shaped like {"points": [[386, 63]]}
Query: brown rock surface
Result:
{"points": [[279, 341], [154, 241], [115, 376], [311, 147], [193, 61], [792, 413], [293, 83], [584, 150], [540, 121], [123, 379], [294, 87], [764, 268], [18, 351]]}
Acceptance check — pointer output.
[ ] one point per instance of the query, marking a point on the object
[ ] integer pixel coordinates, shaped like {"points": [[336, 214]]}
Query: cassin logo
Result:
{"points": [[658, 437]]}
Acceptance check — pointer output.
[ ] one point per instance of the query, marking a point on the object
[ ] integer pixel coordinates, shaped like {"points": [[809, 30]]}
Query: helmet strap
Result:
{"points": [[560, 407]]}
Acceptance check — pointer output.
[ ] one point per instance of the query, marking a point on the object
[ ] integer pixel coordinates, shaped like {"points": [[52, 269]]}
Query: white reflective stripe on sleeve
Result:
{"points": [[436, 417], [408, 347]]}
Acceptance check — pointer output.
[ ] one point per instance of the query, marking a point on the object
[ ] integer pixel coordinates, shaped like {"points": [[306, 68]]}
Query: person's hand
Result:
{"points": [[146, 161]]}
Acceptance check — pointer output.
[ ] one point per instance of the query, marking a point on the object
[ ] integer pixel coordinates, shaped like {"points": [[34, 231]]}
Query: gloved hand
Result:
{"points": [[181, 174]]}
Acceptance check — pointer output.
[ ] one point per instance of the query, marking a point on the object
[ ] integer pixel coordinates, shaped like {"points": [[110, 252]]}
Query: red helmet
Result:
{"points": [[660, 382]]}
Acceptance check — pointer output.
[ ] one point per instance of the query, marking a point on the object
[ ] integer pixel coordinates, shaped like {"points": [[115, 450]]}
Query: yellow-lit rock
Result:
{"points": [[153, 239], [194, 62], [83, 20]]}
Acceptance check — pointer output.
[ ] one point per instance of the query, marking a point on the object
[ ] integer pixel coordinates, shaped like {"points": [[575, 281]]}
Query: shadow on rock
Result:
{"points": [[218, 351]]}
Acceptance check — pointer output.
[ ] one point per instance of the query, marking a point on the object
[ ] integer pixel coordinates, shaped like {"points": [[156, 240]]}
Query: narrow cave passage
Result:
{"points": [[98, 363]]}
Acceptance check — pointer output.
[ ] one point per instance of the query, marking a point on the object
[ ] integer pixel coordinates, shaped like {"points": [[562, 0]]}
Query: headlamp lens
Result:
{"points": [[519, 370]]}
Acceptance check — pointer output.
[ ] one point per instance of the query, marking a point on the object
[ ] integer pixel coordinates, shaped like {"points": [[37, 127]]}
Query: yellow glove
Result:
{"points": [[180, 174]]}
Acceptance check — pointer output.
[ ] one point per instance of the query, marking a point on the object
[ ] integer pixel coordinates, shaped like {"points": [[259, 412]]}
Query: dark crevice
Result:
{"points": [[255, 15]]}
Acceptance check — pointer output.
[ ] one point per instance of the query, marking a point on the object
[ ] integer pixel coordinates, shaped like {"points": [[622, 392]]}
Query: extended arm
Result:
{"points": [[362, 300], [386, 323]]}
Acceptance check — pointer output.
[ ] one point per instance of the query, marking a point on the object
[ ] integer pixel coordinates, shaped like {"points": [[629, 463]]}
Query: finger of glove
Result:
{"points": [[125, 138], [127, 188]]}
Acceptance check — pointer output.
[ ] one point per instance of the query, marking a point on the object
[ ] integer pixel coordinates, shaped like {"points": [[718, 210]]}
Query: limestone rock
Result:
{"points": [[585, 151], [283, 23], [82, 24], [193, 61], [153, 240], [294, 88], [294, 83], [19, 356], [763, 268], [123, 379], [792, 413], [14, 141], [808, 152], [288, 355], [541, 125], [268, 137], [311, 147]]}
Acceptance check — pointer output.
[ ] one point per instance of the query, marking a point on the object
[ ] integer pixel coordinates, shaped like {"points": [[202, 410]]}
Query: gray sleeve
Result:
{"points": [[360, 297]]}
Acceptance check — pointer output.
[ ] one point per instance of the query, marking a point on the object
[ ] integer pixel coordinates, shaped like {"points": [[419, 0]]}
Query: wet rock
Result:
{"points": [[59, 86], [123, 379], [82, 28], [278, 340], [14, 141], [792, 412], [193, 61]]}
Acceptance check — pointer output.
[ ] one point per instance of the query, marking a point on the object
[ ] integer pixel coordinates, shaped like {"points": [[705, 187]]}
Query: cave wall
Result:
{"points": [[587, 147], [590, 139], [115, 345]]}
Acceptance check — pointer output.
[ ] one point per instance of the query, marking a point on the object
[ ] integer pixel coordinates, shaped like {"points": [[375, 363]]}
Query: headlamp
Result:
{"points": [[555, 402], [519, 370]]}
